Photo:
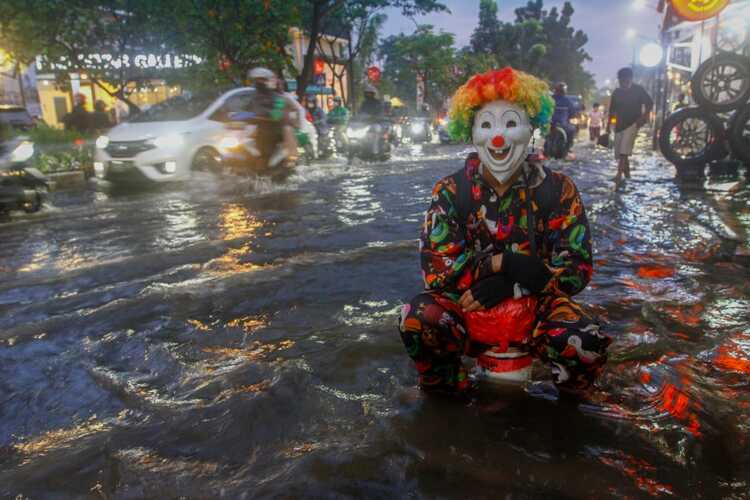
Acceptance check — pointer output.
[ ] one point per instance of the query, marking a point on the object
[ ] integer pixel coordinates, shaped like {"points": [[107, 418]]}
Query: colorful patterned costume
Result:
{"points": [[455, 254]]}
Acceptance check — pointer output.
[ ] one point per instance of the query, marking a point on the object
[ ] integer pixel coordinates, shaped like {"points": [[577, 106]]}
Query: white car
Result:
{"points": [[171, 139]]}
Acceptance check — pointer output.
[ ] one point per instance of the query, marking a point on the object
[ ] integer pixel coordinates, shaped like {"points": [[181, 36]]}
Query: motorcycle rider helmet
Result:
{"points": [[370, 91], [561, 88], [262, 78], [337, 100]]}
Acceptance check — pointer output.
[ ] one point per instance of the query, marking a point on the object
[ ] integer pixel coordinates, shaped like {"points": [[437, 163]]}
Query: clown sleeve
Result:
{"points": [[570, 259], [446, 262]]}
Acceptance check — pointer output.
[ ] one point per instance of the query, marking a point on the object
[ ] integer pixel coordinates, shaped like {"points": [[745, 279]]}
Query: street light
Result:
{"points": [[651, 54]]}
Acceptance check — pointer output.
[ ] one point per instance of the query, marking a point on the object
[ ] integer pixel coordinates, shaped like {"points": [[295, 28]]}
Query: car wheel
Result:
{"points": [[739, 134], [722, 82], [207, 160], [691, 137], [34, 206]]}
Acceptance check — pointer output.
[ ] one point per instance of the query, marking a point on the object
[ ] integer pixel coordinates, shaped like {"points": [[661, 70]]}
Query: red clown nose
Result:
{"points": [[498, 141]]}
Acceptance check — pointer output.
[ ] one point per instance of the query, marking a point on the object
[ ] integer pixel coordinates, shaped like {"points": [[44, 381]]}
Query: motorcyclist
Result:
{"points": [[564, 110], [273, 116], [339, 115], [317, 114], [371, 106]]}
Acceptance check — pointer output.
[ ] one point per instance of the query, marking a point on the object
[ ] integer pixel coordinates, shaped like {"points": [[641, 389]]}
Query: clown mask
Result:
{"points": [[501, 134]]}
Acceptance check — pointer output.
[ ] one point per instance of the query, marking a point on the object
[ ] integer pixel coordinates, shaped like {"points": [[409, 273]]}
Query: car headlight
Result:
{"points": [[229, 142], [23, 152], [356, 133], [102, 142], [169, 141]]}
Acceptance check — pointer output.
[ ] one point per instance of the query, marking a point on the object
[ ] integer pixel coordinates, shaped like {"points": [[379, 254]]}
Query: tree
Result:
{"points": [[359, 22], [538, 41], [424, 55], [231, 37], [486, 36], [320, 12], [106, 39]]}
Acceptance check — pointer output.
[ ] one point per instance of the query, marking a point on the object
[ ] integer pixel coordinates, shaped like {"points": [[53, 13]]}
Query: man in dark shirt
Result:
{"points": [[371, 106], [630, 106], [79, 119]]}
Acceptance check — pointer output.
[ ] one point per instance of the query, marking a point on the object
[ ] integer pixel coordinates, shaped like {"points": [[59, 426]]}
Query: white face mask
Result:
{"points": [[501, 135]]}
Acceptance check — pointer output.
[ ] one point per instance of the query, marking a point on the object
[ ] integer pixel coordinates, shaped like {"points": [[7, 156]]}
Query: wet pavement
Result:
{"points": [[198, 341]]}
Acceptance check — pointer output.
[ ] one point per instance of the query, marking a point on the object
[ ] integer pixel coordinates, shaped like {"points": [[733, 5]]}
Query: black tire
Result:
{"points": [[207, 159], [739, 134], [692, 137], [722, 82], [35, 205], [556, 144]]}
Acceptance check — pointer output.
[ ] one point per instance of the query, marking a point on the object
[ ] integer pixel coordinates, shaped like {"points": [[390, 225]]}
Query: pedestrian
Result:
{"points": [[79, 119], [100, 119], [482, 245], [630, 107], [596, 117]]}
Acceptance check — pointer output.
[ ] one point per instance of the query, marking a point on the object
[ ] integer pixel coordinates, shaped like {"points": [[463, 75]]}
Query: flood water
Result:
{"points": [[207, 340]]}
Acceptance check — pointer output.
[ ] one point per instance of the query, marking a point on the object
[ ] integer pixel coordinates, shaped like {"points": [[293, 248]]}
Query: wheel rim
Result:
{"points": [[725, 83], [205, 161], [690, 138]]}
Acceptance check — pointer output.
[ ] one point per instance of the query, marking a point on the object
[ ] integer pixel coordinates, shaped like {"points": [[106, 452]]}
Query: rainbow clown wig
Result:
{"points": [[507, 84]]}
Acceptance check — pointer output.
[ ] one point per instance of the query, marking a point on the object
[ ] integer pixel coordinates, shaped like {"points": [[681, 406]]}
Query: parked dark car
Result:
{"points": [[16, 117]]}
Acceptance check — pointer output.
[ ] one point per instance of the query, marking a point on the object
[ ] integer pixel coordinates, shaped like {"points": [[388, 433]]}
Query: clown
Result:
{"points": [[502, 231]]}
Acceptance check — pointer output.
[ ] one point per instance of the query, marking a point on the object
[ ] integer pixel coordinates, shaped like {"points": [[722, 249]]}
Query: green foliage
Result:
{"points": [[51, 160], [44, 134], [538, 41], [424, 54]]}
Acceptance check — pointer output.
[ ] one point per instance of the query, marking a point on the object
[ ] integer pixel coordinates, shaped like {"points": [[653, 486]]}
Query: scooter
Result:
{"points": [[368, 140], [419, 129], [558, 143], [243, 152], [22, 187]]}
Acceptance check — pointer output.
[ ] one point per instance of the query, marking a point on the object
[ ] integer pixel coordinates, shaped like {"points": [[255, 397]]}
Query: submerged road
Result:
{"points": [[198, 341]]}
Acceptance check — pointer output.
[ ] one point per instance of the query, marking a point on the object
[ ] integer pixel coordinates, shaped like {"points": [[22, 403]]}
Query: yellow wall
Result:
{"points": [[143, 96]]}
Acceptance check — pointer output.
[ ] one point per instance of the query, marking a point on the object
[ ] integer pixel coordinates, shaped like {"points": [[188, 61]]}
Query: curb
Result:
{"points": [[63, 181]]}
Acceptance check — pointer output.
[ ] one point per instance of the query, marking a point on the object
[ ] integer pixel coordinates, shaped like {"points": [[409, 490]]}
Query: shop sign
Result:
{"points": [[698, 10], [110, 61], [317, 89]]}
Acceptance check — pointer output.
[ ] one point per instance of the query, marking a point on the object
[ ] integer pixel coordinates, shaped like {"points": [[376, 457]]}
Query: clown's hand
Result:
{"points": [[527, 270], [486, 293]]}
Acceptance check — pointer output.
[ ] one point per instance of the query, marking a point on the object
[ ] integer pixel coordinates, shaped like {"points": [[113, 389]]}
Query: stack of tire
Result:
{"points": [[719, 125]]}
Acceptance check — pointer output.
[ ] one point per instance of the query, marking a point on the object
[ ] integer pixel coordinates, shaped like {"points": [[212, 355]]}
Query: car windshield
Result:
{"points": [[183, 107]]}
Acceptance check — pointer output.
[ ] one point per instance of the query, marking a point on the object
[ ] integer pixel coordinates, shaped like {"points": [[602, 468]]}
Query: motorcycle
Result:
{"points": [[249, 148], [22, 187], [326, 143], [557, 144], [419, 129], [368, 140]]}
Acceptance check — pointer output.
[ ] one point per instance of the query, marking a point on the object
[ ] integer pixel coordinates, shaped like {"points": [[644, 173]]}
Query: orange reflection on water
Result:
{"points": [[236, 222], [256, 351], [59, 438], [249, 323]]}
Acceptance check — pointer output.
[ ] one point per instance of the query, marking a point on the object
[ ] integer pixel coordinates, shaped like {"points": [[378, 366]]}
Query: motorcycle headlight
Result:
{"points": [[102, 142], [417, 128], [23, 152], [169, 141], [229, 142], [574, 121]]}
